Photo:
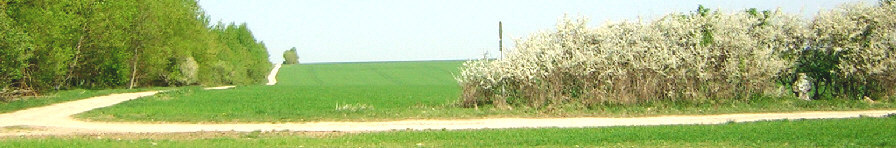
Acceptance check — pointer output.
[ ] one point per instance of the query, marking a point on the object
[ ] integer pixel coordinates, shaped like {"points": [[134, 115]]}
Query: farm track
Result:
{"points": [[272, 77], [56, 120]]}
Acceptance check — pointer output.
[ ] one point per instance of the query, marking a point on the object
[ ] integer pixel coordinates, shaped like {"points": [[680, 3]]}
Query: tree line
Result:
{"points": [[49, 45]]}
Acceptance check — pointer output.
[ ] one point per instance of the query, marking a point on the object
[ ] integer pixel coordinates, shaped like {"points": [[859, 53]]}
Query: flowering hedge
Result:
{"points": [[857, 41], [702, 56]]}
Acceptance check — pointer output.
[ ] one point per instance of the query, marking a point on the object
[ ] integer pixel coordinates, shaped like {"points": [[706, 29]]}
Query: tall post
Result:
{"points": [[500, 40], [501, 49]]}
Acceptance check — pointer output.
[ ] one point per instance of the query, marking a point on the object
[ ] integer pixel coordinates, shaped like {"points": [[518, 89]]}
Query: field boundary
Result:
{"points": [[56, 120]]}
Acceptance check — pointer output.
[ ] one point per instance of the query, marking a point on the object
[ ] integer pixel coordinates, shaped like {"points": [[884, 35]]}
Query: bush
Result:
{"points": [[692, 57], [184, 71], [701, 57], [852, 53]]}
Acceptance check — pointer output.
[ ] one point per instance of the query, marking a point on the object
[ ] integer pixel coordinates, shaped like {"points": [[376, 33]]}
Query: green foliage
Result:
{"points": [[242, 59], [706, 29], [821, 66], [183, 71], [64, 44], [291, 56], [15, 47], [56, 30], [851, 53], [102, 56], [762, 16], [702, 11]]}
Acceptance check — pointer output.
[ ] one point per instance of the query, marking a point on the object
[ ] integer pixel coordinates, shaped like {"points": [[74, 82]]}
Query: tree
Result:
{"points": [[290, 56], [64, 44], [14, 51]]}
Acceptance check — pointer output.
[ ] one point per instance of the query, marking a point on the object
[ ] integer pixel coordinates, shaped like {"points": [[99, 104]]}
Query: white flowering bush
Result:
{"points": [[695, 57], [703, 56], [856, 43]]}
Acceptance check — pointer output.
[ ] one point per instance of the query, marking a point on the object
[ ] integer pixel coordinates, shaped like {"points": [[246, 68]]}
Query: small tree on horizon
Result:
{"points": [[290, 56]]}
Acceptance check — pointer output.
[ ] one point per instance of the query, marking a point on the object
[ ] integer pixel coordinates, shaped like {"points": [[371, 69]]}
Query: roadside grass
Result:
{"points": [[855, 132], [63, 96], [384, 91], [755, 105]]}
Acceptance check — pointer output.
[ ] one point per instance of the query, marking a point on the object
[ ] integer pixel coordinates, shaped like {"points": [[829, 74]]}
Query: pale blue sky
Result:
{"points": [[399, 30]]}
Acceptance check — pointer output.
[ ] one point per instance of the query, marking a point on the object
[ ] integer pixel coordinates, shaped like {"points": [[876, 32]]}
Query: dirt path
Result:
{"points": [[219, 87], [272, 77], [56, 120]]}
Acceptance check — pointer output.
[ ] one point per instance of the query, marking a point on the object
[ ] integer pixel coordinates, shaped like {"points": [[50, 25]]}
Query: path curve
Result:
{"points": [[56, 120], [272, 77]]}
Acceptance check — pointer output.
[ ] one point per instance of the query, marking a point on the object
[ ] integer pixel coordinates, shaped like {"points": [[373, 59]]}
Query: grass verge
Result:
{"points": [[862, 132]]}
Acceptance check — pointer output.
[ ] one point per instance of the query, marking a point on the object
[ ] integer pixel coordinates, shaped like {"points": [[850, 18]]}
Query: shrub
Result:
{"points": [[853, 51], [703, 56], [184, 71], [672, 58]]}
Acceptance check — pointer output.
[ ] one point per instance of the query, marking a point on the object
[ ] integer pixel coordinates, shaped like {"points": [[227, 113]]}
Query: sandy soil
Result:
{"points": [[56, 120]]}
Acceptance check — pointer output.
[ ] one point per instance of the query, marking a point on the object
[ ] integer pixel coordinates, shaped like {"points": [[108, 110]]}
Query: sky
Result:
{"points": [[415, 30]]}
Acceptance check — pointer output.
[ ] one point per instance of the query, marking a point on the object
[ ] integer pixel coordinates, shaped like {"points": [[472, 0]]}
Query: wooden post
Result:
{"points": [[500, 40]]}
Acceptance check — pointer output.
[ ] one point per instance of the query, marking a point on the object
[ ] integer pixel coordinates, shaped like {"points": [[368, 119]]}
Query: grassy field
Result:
{"points": [[859, 132], [346, 91], [389, 91], [61, 96]]}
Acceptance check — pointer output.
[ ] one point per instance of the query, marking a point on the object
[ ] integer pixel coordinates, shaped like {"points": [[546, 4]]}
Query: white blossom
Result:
{"points": [[668, 58]]}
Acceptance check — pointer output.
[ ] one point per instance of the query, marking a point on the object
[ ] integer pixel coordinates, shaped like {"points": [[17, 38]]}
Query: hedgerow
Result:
{"points": [[852, 52], [703, 56]]}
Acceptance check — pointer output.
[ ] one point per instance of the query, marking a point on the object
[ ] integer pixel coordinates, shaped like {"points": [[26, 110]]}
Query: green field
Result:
{"points": [[312, 92], [389, 91], [861, 132]]}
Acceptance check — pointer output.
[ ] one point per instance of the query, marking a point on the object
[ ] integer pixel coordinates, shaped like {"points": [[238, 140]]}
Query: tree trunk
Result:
{"points": [[85, 32], [134, 70], [71, 67]]}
